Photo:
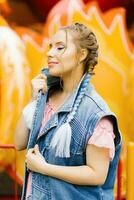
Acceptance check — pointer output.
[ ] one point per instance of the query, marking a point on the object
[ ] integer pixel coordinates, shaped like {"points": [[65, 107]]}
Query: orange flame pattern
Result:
{"points": [[114, 72]]}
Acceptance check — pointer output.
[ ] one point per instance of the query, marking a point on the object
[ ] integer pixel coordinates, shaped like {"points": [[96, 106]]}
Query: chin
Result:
{"points": [[54, 72]]}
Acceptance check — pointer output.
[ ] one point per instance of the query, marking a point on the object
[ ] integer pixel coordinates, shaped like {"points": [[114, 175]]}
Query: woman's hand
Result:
{"points": [[38, 83], [34, 160]]}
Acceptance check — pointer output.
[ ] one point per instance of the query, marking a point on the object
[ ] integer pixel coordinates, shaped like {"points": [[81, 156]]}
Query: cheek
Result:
{"points": [[68, 59]]}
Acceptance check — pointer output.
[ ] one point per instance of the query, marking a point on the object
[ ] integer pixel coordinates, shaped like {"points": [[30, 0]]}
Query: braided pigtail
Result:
{"points": [[62, 138]]}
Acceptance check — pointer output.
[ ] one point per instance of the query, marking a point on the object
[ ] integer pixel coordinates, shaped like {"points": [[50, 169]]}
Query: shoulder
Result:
{"points": [[95, 101], [92, 108]]}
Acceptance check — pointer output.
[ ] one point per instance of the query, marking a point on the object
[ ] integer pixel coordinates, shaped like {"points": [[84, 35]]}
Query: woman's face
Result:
{"points": [[63, 54]]}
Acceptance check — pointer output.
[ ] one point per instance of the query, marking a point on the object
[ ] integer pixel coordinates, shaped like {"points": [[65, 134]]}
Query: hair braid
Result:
{"points": [[78, 99], [62, 138]]}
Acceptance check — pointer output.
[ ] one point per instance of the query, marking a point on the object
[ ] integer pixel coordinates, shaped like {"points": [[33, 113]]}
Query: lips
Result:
{"points": [[51, 63]]}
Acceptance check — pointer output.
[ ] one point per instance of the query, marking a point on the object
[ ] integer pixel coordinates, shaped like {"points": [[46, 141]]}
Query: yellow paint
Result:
{"points": [[114, 72], [130, 171], [2, 1]]}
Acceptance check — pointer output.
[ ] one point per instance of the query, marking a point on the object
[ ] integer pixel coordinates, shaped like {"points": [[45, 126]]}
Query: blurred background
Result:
{"points": [[25, 27]]}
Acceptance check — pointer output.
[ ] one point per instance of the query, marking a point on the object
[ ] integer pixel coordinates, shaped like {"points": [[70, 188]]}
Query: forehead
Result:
{"points": [[60, 36]]}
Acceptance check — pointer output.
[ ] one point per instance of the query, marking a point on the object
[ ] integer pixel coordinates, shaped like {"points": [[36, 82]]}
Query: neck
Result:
{"points": [[71, 81]]}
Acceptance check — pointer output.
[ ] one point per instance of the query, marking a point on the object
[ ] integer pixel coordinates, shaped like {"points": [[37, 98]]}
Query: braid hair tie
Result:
{"points": [[62, 138]]}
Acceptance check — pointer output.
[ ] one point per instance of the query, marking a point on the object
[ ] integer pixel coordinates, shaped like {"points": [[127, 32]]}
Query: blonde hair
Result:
{"points": [[86, 39]]}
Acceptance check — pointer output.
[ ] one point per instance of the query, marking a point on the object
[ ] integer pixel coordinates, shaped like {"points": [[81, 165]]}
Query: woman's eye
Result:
{"points": [[60, 48]]}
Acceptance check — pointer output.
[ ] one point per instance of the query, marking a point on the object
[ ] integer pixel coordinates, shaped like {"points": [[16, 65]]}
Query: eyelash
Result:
{"points": [[60, 48]]}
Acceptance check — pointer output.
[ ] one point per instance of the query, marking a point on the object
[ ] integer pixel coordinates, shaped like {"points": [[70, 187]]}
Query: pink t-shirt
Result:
{"points": [[103, 136]]}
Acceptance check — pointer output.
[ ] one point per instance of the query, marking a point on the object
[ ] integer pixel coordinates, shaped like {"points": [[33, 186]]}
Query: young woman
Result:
{"points": [[72, 139]]}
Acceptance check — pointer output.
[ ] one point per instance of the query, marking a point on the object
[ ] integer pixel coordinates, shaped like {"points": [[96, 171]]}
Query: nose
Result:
{"points": [[50, 53]]}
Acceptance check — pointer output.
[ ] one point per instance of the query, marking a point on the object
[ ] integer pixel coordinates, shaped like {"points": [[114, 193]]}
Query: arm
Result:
{"points": [[93, 173], [24, 124], [21, 135]]}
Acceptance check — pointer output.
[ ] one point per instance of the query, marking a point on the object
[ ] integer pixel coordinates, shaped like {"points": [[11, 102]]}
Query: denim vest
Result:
{"points": [[90, 111]]}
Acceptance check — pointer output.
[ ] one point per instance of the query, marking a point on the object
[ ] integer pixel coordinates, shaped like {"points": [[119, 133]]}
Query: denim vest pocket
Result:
{"points": [[38, 194], [40, 182]]}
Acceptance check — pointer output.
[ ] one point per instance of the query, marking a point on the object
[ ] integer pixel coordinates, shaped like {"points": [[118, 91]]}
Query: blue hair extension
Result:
{"points": [[62, 138]]}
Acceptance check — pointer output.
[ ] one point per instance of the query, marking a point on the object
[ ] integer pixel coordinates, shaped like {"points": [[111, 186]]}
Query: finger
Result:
{"points": [[35, 82], [30, 151], [40, 85], [40, 81], [41, 76], [45, 88], [36, 148]]}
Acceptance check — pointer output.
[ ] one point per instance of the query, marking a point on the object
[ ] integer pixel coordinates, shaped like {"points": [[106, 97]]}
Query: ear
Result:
{"points": [[83, 55]]}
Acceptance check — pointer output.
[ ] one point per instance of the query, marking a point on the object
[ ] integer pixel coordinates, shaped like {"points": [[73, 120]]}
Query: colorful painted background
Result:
{"points": [[23, 54]]}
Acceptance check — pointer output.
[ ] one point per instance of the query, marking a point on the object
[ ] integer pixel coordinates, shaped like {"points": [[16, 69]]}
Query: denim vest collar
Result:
{"points": [[68, 105]]}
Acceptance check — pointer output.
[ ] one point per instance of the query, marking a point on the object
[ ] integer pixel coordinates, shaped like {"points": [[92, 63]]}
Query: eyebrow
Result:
{"points": [[57, 43]]}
